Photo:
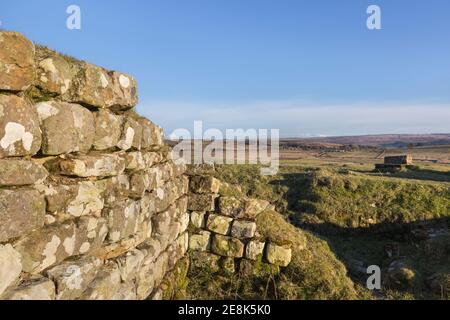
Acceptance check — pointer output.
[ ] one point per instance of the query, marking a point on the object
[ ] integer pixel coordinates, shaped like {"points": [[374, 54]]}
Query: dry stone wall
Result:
{"points": [[223, 224], [91, 204]]}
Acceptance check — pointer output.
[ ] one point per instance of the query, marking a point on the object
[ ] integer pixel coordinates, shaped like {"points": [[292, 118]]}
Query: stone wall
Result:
{"points": [[223, 224], [91, 204]]}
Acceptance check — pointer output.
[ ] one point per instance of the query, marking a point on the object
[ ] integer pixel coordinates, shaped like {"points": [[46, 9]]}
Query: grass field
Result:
{"points": [[361, 213], [352, 216]]}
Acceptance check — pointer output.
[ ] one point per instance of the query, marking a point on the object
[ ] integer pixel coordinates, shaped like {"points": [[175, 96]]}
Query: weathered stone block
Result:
{"points": [[126, 292], [139, 183], [10, 267], [108, 130], [182, 204], [135, 161], [179, 167], [17, 69], [227, 265], [125, 91], [278, 255], [151, 275], [122, 220], [227, 246], [114, 189], [65, 127], [151, 250], [90, 234], [131, 136], [204, 169], [72, 278], [154, 179], [177, 250], [147, 208], [54, 72], [37, 288], [105, 165], [204, 184], [243, 229], [20, 134], [88, 200], [219, 224], [163, 226], [254, 249], [254, 207], [166, 171], [151, 158], [59, 196], [21, 211], [201, 202], [129, 264], [198, 219], [201, 260], [242, 208], [21, 172], [152, 135], [231, 206], [76, 200], [105, 285], [46, 247], [93, 86], [200, 241], [183, 220]]}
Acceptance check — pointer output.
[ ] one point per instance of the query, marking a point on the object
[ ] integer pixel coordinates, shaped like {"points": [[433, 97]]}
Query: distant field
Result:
{"points": [[431, 162], [435, 157], [384, 140]]}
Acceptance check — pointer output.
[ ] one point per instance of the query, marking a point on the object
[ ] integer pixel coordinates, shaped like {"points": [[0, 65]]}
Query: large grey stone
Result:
{"points": [[103, 165], [47, 247], [36, 288], [135, 161], [105, 285], [204, 184], [21, 211], [152, 135], [202, 202], [90, 234], [219, 224], [65, 127], [200, 241], [21, 172], [242, 208], [10, 266], [108, 130], [243, 229], [54, 72], [122, 220], [131, 136], [129, 264], [72, 278], [198, 219], [20, 134], [16, 61], [278, 255], [254, 250], [227, 246]]}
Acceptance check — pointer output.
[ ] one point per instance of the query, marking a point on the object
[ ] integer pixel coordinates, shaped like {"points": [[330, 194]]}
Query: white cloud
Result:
{"points": [[304, 118]]}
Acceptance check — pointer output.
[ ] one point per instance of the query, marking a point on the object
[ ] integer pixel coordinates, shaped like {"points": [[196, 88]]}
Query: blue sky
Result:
{"points": [[308, 67]]}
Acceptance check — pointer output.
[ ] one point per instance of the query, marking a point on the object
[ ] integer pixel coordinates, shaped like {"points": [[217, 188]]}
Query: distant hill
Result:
{"points": [[384, 141]]}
